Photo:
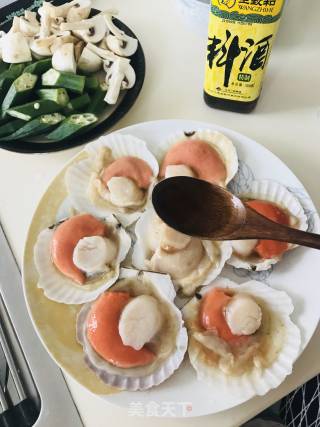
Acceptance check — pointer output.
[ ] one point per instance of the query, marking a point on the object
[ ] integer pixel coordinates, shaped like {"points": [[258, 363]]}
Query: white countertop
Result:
{"points": [[286, 121]]}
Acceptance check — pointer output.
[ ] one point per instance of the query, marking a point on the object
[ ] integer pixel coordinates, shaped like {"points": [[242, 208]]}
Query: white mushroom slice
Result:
{"points": [[93, 254], [91, 30], [61, 40], [63, 59], [172, 240], [244, 248], [124, 192], [45, 22], [243, 315], [120, 75], [15, 48], [108, 16], [15, 27], [178, 170], [31, 16], [81, 10], [103, 44], [58, 11], [55, 24], [41, 47], [29, 28], [2, 33], [123, 46], [140, 321], [89, 62], [78, 48], [103, 53]]}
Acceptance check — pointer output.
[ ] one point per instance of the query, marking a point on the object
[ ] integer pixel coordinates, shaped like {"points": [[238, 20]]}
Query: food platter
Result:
{"points": [[106, 118], [296, 274]]}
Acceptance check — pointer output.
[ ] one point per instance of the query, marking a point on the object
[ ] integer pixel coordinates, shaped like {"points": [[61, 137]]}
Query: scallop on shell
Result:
{"points": [[271, 191], [274, 362], [173, 340], [221, 143], [60, 288], [81, 176], [215, 255]]}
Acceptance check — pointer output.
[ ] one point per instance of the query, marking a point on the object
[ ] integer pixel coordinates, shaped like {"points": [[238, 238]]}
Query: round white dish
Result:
{"points": [[297, 274]]}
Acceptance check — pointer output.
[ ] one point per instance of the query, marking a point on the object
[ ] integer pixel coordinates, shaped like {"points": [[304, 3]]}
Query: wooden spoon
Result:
{"points": [[204, 210]]}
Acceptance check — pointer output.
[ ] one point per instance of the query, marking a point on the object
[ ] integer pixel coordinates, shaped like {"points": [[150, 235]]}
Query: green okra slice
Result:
{"points": [[69, 81], [34, 109], [71, 126]]}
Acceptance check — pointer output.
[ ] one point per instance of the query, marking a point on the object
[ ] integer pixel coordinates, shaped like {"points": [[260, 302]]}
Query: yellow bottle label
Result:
{"points": [[240, 38]]}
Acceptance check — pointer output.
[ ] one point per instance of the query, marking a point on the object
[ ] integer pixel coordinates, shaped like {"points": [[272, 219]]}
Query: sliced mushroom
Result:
{"points": [[45, 21], [91, 30], [15, 48], [89, 62], [119, 76], [61, 40], [123, 46], [41, 47], [108, 16], [103, 44], [59, 11], [2, 33], [102, 53], [63, 59], [15, 27], [81, 10], [30, 16], [78, 49], [55, 24], [29, 28]]}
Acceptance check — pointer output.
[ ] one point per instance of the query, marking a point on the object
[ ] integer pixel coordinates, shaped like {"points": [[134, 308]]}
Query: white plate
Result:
{"points": [[298, 274]]}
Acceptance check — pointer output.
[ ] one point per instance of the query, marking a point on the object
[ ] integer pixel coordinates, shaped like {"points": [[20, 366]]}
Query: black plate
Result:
{"points": [[137, 61]]}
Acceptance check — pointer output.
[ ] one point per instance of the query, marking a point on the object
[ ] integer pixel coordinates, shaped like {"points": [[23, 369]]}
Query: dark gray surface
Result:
{"points": [[3, 369]]}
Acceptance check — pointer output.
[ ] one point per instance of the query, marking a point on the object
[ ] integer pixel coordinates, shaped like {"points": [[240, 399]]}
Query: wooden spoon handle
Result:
{"points": [[259, 227]]}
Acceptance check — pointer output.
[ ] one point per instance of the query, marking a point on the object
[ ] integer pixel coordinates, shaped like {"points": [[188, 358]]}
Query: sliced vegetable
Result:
{"points": [[64, 60], [17, 69], [71, 126], [3, 66], [89, 62], [15, 48], [60, 95], [36, 126], [8, 77], [19, 91], [78, 103], [97, 103], [39, 67], [92, 83], [34, 109], [9, 128], [69, 81], [4, 120]]}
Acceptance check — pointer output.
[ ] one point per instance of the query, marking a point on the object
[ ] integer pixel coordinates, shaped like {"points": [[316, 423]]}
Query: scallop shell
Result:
{"points": [[274, 192], [114, 376], [223, 145], [255, 382], [140, 250], [78, 175], [60, 288]]}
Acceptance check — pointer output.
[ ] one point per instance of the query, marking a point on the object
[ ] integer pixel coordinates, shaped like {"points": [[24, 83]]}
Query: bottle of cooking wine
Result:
{"points": [[240, 38]]}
